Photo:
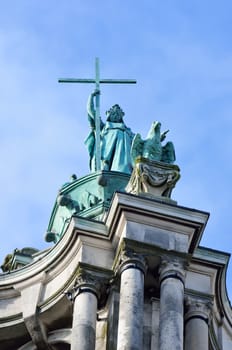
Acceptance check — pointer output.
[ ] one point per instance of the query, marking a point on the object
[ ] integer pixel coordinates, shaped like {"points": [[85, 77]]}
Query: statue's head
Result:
{"points": [[115, 114], [154, 130]]}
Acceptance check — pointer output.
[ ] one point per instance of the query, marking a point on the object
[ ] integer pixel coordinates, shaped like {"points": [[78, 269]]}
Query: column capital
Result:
{"points": [[172, 268], [198, 308], [129, 259], [85, 283]]}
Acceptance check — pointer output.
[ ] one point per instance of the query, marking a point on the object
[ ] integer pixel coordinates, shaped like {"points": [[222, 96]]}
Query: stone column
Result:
{"points": [[85, 299], [196, 324], [130, 324], [171, 305], [155, 323]]}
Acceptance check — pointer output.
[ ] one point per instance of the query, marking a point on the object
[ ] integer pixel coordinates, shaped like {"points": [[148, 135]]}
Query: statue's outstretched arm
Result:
{"points": [[91, 110]]}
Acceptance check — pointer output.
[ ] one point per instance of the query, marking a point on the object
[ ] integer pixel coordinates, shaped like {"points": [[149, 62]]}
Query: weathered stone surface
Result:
{"points": [[84, 322], [35, 296], [171, 305], [130, 326], [113, 312], [153, 179], [196, 323], [155, 323]]}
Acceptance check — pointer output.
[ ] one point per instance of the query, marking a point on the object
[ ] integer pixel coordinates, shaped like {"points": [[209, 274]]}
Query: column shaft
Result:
{"points": [[171, 314], [155, 324], [196, 335], [196, 324], [171, 304], [84, 321], [130, 327]]}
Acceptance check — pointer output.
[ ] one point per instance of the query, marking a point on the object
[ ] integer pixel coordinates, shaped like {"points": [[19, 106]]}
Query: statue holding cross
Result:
{"points": [[115, 139], [108, 144]]}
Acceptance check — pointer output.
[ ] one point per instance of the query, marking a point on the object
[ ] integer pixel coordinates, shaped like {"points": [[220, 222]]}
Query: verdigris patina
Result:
{"points": [[110, 163], [119, 160], [115, 139], [154, 174], [88, 197], [97, 81], [151, 148]]}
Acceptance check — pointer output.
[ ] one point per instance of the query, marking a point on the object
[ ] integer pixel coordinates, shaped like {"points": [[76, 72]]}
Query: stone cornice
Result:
{"points": [[147, 250], [189, 221], [90, 227], [64, 256], [55, 255], [150, 205], [218, 261]]}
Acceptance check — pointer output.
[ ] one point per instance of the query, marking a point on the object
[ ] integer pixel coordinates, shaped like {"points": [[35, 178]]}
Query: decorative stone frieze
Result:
{"points": [[153, 178]]}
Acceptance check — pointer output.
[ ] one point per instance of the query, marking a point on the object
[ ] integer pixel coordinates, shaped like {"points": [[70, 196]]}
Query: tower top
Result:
{"points": [[96, 117]]}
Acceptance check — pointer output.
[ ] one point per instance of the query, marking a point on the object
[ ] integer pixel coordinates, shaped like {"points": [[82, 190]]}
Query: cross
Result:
{"points": [[97, 81]]}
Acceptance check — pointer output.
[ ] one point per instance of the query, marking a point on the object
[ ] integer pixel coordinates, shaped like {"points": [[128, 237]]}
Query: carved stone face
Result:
{"points": [[115, 114]]}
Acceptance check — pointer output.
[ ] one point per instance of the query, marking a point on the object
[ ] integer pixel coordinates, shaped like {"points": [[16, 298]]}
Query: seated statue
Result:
{"points": [[115, 139]]}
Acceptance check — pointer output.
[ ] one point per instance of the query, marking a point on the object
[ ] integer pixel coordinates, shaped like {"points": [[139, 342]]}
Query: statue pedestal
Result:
{"points": [[153, 179]]}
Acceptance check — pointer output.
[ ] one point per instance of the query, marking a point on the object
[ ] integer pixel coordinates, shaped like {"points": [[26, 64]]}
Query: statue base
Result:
{"points": [[153, 179]]}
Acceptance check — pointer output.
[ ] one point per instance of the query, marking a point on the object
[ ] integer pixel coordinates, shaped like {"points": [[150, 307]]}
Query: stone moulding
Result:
{"points": [[153, 179]]}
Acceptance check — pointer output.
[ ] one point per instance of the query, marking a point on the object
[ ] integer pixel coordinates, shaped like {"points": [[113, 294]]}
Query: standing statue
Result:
{"points": [[115, 139]]}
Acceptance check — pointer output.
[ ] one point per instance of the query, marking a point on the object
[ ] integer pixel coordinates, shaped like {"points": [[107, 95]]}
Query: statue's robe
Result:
{"points": [[116, 139]]}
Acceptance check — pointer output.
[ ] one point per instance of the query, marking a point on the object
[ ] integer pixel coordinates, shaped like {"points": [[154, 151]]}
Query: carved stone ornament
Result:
{"points": [[153, 179], [87, 282], [129, 259], [197, 307], [174, 268]]}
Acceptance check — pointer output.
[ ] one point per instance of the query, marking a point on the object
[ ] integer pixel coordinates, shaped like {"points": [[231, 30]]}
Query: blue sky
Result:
{"points": [[180, 52]]}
